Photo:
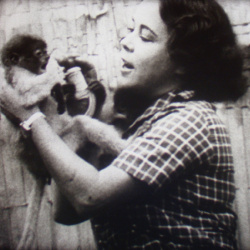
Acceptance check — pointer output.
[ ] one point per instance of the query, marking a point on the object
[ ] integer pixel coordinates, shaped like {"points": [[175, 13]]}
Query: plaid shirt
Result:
{"points": [[180, 149]]}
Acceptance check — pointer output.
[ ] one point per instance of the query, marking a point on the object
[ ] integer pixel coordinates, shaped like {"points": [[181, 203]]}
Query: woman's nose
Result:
{"points": [[127, 43]]}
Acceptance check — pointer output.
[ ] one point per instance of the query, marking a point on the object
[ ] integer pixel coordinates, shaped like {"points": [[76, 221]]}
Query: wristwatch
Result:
{"points": [[26, 125]]}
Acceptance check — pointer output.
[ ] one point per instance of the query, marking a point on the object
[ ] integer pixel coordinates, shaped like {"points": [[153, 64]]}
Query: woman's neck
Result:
{"points": [[132, 102]]}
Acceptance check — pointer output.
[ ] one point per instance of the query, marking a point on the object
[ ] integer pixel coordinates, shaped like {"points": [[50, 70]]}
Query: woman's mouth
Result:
{"points": [[126, 66]]}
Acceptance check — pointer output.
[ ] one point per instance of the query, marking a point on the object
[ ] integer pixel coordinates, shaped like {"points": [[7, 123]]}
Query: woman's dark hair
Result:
{"points": [[203, 47]]}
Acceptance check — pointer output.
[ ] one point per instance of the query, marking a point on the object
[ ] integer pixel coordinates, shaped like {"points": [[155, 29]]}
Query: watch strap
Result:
{"points": [[26, 125]]}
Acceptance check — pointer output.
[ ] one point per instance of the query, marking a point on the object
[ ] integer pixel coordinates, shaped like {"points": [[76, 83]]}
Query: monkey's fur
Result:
{"points": [[30, 53], [29, 69]]}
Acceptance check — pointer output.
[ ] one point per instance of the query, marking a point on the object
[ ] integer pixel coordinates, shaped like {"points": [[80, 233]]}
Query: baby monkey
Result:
{"points": [[25, 59], [30, 70]]}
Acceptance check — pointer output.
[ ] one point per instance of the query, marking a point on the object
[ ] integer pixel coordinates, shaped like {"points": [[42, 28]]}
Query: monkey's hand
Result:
{"points": [[87, 68], [55, 73], [89, 72]]}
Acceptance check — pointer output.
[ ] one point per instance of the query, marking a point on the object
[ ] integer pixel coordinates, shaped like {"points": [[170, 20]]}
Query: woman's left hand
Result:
{"points": [[12, 103]]}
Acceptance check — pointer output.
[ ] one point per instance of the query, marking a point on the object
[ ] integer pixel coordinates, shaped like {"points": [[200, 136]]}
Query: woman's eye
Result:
{"points": [[145, 39], [146, 35]]}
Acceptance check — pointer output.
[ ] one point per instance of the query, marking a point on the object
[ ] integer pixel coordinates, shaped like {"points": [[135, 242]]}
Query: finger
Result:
{"points": [[8, 101], [10, 116], [3, 81], [83, 63], [6, 90], [10, 97], [73, 55]]}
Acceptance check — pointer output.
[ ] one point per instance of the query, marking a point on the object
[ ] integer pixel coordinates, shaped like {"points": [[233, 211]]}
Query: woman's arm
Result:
{"points": [[83, 186], [80, 129], [63, 211], [87, 189]]}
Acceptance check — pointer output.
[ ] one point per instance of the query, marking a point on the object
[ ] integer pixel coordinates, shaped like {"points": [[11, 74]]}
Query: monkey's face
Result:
{"points": [[35, 59]]}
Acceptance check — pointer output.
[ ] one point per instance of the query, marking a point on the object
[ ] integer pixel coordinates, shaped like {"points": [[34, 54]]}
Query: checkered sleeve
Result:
{"points": [[172, 145]]}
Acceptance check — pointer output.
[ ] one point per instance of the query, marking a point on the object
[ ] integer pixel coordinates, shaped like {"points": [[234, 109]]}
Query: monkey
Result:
{"points": [[37, 77], [25, 56], [29, 69], [25, 61]]}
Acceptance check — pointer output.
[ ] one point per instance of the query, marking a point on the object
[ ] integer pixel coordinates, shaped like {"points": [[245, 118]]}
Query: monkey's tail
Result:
{"points": [[34, 203]]}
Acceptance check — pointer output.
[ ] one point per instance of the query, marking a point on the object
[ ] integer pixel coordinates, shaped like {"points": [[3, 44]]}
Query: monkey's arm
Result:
{"points": [[103, 135], [72, 135]]}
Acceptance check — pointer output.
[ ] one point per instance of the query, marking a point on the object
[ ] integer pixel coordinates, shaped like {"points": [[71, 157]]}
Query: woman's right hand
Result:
{"points": [[12, 103]]}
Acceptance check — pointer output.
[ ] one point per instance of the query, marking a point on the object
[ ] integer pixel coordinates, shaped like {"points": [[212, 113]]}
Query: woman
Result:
{"points": [[172, 186]]}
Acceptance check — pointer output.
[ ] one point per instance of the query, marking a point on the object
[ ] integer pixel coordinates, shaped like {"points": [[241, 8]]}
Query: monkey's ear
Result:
{"points": [[14, 58]]}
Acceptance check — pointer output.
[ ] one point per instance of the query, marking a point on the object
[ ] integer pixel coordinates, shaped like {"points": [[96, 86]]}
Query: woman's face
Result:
{"points": [[144, 54]]}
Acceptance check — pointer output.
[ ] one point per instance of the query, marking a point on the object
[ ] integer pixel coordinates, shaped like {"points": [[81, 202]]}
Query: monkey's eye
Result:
{"points": [[38, 52]]}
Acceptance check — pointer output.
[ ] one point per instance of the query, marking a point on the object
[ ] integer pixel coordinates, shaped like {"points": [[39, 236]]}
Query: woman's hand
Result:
{"points": [[12, 103]]}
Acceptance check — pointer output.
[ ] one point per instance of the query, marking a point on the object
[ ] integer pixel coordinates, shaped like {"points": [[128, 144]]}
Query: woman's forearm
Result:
{"points": [[63, 210], [73, 175], [88, 190]]}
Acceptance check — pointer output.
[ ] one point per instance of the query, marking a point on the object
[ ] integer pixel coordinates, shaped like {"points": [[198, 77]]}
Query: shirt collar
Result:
{"points": [[160, 105]]}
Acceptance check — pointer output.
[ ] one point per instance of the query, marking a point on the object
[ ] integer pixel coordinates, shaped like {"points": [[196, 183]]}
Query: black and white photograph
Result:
{"points": [[124, 124]]}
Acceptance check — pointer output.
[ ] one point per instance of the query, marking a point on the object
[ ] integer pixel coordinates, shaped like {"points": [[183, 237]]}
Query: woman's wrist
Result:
{"points": [[26, 125], [27, 113]]}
